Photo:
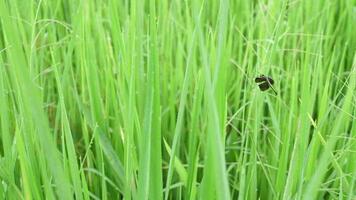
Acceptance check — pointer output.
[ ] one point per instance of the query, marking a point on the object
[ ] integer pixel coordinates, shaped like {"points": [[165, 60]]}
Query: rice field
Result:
{"points": [[177, 99]]}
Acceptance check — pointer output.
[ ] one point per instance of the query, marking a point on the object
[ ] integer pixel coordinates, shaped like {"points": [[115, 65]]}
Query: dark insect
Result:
{"points": [[265, 82]]}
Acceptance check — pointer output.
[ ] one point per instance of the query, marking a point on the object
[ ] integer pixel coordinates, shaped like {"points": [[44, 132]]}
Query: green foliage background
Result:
{"points": [[112, 99]]}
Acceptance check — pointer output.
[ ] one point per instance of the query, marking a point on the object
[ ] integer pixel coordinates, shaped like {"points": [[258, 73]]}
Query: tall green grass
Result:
{"points": [[156, 99]]}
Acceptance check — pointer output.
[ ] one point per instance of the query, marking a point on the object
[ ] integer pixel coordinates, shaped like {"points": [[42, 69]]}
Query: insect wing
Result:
{"points": [[270, 80], [260, 79], [264, 86]]}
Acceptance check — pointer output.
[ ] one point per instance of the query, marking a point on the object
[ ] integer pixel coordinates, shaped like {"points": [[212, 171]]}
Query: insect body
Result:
{"points": [[265, 82]]}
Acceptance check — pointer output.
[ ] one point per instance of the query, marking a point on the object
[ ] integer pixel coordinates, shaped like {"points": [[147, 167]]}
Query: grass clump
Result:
{"points": [[157, 99]]}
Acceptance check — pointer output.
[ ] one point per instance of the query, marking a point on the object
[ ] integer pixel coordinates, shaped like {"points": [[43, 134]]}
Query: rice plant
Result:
{"points": [[172, 99]]}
